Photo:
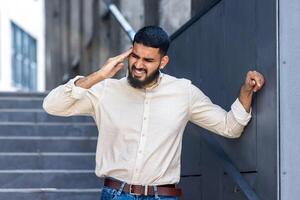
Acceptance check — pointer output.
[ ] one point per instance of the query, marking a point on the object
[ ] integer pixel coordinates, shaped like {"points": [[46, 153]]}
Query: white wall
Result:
{"points": [[28, 15]]}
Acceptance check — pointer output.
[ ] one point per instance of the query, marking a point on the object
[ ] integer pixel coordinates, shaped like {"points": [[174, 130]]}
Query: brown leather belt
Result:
{"points": [[163, 190]]}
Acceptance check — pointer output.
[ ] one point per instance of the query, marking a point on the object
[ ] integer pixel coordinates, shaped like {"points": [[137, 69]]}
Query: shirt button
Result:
{"points": [[140, 152], [146, 102], [145, 118]]}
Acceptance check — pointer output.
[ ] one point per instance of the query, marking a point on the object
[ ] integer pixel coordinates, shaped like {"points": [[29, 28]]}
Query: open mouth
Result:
{"points": [[138, 72]]}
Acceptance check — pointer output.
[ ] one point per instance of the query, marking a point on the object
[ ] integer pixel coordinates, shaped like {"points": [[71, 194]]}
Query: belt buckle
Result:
{"points": [[132, 193]]}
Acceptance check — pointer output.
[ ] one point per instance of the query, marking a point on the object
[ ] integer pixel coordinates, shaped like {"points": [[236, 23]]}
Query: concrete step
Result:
{"points": [[24, 94], [21, 102], [35, 161], [48, 144], [45, 157], [44, 117], [49, 179], [44, 194], [38, 116], [48, 129]]}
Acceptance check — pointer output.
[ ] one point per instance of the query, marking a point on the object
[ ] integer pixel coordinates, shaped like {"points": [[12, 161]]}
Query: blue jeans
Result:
{"points": [[112, 194]]}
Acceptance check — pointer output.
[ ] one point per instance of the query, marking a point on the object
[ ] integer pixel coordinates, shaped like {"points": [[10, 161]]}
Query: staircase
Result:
{"points": [[44, 157]]}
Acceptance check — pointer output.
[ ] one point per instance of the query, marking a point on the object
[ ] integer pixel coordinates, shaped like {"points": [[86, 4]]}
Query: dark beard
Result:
{"points": [[141, 84]]}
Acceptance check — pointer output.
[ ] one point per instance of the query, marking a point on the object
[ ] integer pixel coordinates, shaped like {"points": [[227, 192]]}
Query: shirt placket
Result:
{"points": [[143, 135]]}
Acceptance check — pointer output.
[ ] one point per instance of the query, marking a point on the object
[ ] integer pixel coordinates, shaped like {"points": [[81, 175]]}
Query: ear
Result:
{"points": [[164, 62]]}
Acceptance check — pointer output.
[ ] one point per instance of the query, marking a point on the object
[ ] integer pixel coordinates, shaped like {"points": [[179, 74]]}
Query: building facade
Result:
{"points": [[22, 44]]}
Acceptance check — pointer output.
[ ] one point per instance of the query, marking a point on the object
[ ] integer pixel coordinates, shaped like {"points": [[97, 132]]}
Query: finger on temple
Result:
{"points": [[125, 54]]}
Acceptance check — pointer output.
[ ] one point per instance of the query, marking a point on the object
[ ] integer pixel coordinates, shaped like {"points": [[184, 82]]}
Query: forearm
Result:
{"points": [[254, 82], [245, 98], [215, 119], [90, 80], [63, 100], [110, 68], [206, 114]]}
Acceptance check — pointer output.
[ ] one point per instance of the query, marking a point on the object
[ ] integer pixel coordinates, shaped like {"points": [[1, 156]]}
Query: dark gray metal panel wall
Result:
{"points": [[289, 63], [200, 6], [267, 101], [215, 52]]}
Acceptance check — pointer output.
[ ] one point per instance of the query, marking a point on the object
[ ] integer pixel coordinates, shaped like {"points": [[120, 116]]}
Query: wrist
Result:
{"points": [[246, 90], [245, 97], [101, 75]]}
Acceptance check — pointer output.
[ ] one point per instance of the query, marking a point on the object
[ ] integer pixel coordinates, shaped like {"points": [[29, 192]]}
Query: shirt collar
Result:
{"points": [[157, 82]]}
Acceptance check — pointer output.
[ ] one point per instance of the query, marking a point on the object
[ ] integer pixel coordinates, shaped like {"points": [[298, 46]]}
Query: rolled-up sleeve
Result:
{"points": [[212, 117], [69, 99]]}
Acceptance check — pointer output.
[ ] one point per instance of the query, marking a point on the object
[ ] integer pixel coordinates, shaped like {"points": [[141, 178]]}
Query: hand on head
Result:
{"points": [[114, 64]]}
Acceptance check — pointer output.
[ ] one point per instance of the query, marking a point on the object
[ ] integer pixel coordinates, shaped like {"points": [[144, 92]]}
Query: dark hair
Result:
{"points": [[153, 36]]}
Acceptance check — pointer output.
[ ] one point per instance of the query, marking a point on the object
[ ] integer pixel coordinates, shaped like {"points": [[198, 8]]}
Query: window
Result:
{"points": [[24, 61]]}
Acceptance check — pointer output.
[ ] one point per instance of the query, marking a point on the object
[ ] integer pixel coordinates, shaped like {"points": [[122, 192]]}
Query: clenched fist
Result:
{"points": [[254, 81]]}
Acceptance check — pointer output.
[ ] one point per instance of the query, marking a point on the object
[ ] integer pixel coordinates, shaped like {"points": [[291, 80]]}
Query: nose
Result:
{"points": [[139, 64]]}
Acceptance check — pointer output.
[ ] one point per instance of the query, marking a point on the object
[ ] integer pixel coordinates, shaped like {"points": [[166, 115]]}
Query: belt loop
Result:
{"points": [[121, 189], [146, 190], [155, 192]]}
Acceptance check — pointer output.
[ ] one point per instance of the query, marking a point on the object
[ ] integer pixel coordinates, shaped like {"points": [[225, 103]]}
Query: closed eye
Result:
{"points": [[148, 59], [135, 56], [145, 59]]}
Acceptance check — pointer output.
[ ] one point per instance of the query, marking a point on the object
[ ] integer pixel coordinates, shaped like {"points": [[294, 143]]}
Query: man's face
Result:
{"points": [[144, 64]]}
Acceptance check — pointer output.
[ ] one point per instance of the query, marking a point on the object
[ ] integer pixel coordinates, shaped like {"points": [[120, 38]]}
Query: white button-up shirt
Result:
{"points": [[140, 130]]}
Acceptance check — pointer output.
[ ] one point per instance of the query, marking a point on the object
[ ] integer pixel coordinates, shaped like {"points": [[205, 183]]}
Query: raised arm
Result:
{"points": [[80, 95], [110, 68], [230, 124]]}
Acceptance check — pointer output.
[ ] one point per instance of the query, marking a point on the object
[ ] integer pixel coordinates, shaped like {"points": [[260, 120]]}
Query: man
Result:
{"points": [[141, 118]]}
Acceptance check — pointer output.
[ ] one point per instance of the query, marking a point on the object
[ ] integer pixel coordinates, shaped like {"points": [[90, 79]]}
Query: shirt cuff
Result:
{"points": [[240, 114], [75, 91]]}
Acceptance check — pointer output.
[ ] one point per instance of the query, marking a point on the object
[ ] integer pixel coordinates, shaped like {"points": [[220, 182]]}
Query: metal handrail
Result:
{"points": [[229, 167], [191, 21], [120, 18]]}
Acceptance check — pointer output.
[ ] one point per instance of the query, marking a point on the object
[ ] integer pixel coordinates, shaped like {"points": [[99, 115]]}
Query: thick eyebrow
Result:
{"points": [[135, 55], [146, 59], [149, 59]]}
